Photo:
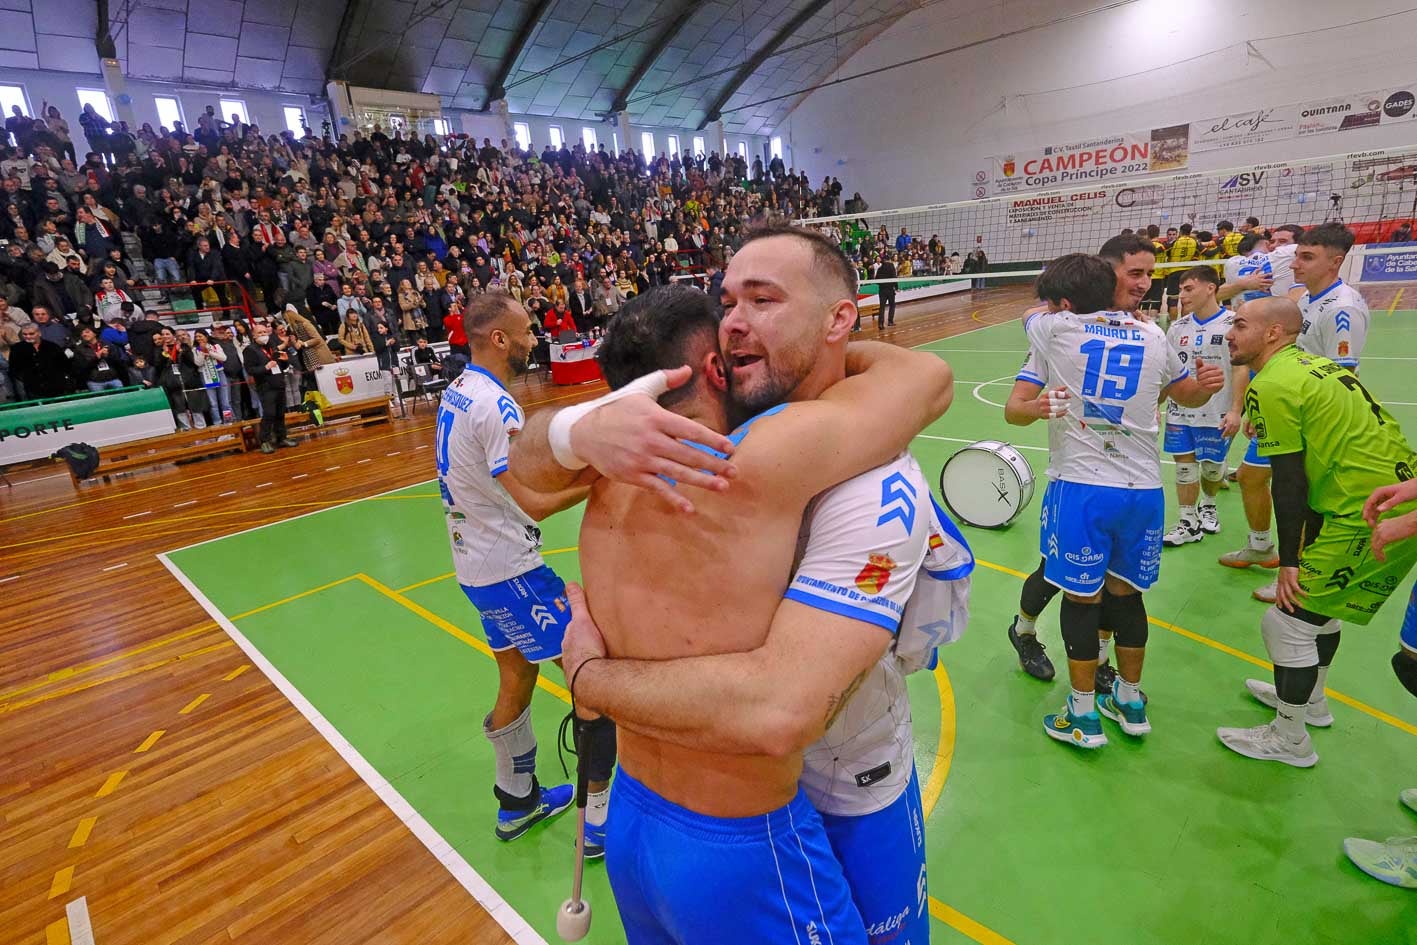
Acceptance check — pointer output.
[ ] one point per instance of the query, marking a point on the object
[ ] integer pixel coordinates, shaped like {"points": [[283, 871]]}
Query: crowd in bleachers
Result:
{"points": [[355, 246]]}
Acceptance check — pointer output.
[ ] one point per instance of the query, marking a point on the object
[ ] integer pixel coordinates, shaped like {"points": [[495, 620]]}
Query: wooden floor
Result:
{"points": [[145, 766]]}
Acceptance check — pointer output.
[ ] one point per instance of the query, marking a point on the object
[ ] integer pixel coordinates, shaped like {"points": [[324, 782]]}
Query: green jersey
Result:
{"points": [[1351, 444]]}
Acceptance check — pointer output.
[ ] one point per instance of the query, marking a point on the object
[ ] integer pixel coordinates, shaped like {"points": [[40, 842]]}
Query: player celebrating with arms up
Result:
{"points": [[1103, 510]]}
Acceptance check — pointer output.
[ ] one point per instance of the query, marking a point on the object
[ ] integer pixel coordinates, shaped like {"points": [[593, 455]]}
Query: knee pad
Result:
{"points": [[1404, 664], [598, 744], [1212, 471], [1080, 622], [1292, 641], [1328, 644], [1125, 616], [1295, 684], [1187, 473], [1037, 592]]}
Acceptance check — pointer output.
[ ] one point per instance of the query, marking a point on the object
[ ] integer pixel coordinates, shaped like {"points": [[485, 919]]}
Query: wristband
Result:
{"points": [[559, 433], [571, 686]]}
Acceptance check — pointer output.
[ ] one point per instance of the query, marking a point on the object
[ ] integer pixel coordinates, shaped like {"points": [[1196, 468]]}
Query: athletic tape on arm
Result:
{"points": [[652, 385]]}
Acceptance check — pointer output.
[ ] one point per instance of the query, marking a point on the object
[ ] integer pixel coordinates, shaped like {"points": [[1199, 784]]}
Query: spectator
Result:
{"points": [[314, 352], [559, 320], [210, 359], [457, 337], [411, 303], [322, 304], [177, 373], [354, 336], [233, 369], [141, 373], [267, 363], [38, 366], [95, 131]]}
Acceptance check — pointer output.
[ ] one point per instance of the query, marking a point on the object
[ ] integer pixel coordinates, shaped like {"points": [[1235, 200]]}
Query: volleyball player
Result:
{"points": [[1335, 326], [1103, 511], [1133, 261], [1250, 263], [1183, 248], [1330, 446], [491, 517], [1198, 438]]}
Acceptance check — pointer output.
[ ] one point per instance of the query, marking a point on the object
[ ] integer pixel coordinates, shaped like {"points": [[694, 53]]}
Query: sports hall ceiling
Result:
{"points": [[670, 62]]}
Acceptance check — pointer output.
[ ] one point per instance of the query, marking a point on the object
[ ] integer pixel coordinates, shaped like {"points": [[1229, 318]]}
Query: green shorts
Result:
{"points": [[1341, 578]]}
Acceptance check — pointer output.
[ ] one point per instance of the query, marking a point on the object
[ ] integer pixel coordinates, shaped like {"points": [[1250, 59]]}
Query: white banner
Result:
{"points": [[352, 379], [33, 430], [1096, 159], [1257, 126]]}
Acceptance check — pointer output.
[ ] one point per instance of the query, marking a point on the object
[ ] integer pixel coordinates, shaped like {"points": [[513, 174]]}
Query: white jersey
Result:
{"points": [[862, 545], [1116, 368], [1237, 267], [1208, 339], [1281, 266], [493, 540], [1335, 324]]}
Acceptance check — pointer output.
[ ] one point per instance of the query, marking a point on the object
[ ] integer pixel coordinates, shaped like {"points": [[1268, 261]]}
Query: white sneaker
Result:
{"points": [[1393, 862], [1264, 743], [1247, 557], [1268, 593], [1409, 797], [1210, 520], [1316, 713], [1182, 534]]}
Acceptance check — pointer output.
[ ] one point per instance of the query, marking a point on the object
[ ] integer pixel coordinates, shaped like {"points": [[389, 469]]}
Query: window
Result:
{"points": [[441, 127], [294, 119], [233, 108], [523, 133], [743, 150], [614, 144], [699, 147], [98, 98], [169, 111], [647, 145], [673, 145], [776, 146], [558, 137], [588, 139]]}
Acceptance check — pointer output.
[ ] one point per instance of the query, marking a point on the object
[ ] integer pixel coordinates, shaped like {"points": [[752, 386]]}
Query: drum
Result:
{"points": [[987, 484]]}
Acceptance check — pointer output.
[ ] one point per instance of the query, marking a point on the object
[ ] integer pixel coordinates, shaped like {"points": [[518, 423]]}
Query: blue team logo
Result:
{"points": [[1086, 559], [898, 501], [507, 407], [1343, 321]]}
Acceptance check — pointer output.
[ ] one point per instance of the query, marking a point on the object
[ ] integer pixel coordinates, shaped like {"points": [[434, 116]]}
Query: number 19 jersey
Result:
{"points": [[1116, 367]]}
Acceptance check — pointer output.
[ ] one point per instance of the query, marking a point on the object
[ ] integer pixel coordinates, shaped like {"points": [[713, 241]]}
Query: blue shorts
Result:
{"points": [[1253, 457], [682, 878], [1409, 624], [883, 856], [1090, 531], [1206, 442], [528, 612]]}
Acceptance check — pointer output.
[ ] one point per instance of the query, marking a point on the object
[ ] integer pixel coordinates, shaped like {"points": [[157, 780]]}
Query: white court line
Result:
{"points": [[80, 925], [497, 907], [188, 502], [7, 580], [364, 461], [394, 453], [976, 350], [223, 495], [262, 485], [137, 515], [301, 476], [332, 468], [982, 384], [115, 567]]}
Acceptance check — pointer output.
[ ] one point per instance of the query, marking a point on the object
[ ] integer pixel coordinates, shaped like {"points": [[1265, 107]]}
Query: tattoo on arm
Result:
{"points": [[838, 702]]}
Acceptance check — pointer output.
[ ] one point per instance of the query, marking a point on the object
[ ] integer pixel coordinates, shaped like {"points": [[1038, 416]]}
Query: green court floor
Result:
{"points": [[1167, 840]]}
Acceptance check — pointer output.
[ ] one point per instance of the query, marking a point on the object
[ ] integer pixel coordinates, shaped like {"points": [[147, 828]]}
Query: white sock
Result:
{"points": [[1289, 719], [1318, 694], [1127, 692], [1260, 541], [1081, 703], [1028, 625], [1189, 516], [1102, 644], [596, 807]]}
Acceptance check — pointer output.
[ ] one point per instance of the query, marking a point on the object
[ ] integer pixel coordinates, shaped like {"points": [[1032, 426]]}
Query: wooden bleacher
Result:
{"points": [[233, 437]]}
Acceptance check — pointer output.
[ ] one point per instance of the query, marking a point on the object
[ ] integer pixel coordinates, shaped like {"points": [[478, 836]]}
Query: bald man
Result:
{"points": [[1330, 445]]}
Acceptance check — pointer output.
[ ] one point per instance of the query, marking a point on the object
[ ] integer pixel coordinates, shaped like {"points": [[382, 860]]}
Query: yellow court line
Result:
{"points": [[236, 672], [1347, 700], [61, 882], [112, 677], [111, 785], [1395, 299], [962, 923], [446, 575], [150, 741], [81, 832], [190, 707], [57, 932], [78, 668], [945, 746]]}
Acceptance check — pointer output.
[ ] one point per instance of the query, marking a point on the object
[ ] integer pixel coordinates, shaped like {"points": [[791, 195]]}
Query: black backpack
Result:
{"points": [[81, 457]]}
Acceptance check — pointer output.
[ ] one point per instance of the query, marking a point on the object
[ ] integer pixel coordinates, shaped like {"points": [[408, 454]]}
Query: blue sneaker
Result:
{"points": [[553, 800], [1084, 731], [594, 841], [1130, 715]]}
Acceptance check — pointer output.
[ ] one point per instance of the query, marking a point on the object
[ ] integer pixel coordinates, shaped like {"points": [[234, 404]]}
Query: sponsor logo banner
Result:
{"points": [[1094, 159], [1389, 266], [1257, 126]]}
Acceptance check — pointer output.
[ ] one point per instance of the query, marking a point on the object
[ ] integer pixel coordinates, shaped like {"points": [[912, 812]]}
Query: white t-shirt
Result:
{"points": [[1335, 324], [862, 546], [1281, 265], [1193, 338], [1116, 367], [492, 539]]}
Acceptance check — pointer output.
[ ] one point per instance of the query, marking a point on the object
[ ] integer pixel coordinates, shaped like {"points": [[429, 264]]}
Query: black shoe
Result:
{"points": [[1106, 676], [1031, 655]]}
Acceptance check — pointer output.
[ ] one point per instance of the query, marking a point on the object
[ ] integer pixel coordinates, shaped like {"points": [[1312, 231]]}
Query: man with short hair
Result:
{"points": [[1227, 239], [1103, 510], [1335, 326], [1251, 260], [1198, 438], [267, 364], [39, 366], [1330, 445], [739, 824]]}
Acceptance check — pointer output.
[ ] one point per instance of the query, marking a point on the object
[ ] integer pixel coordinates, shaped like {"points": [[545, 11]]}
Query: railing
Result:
{"points": [[244, 307]]}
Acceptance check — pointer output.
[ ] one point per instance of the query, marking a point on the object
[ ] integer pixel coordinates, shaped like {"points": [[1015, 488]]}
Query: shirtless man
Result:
{"points": [[701, 826]]}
